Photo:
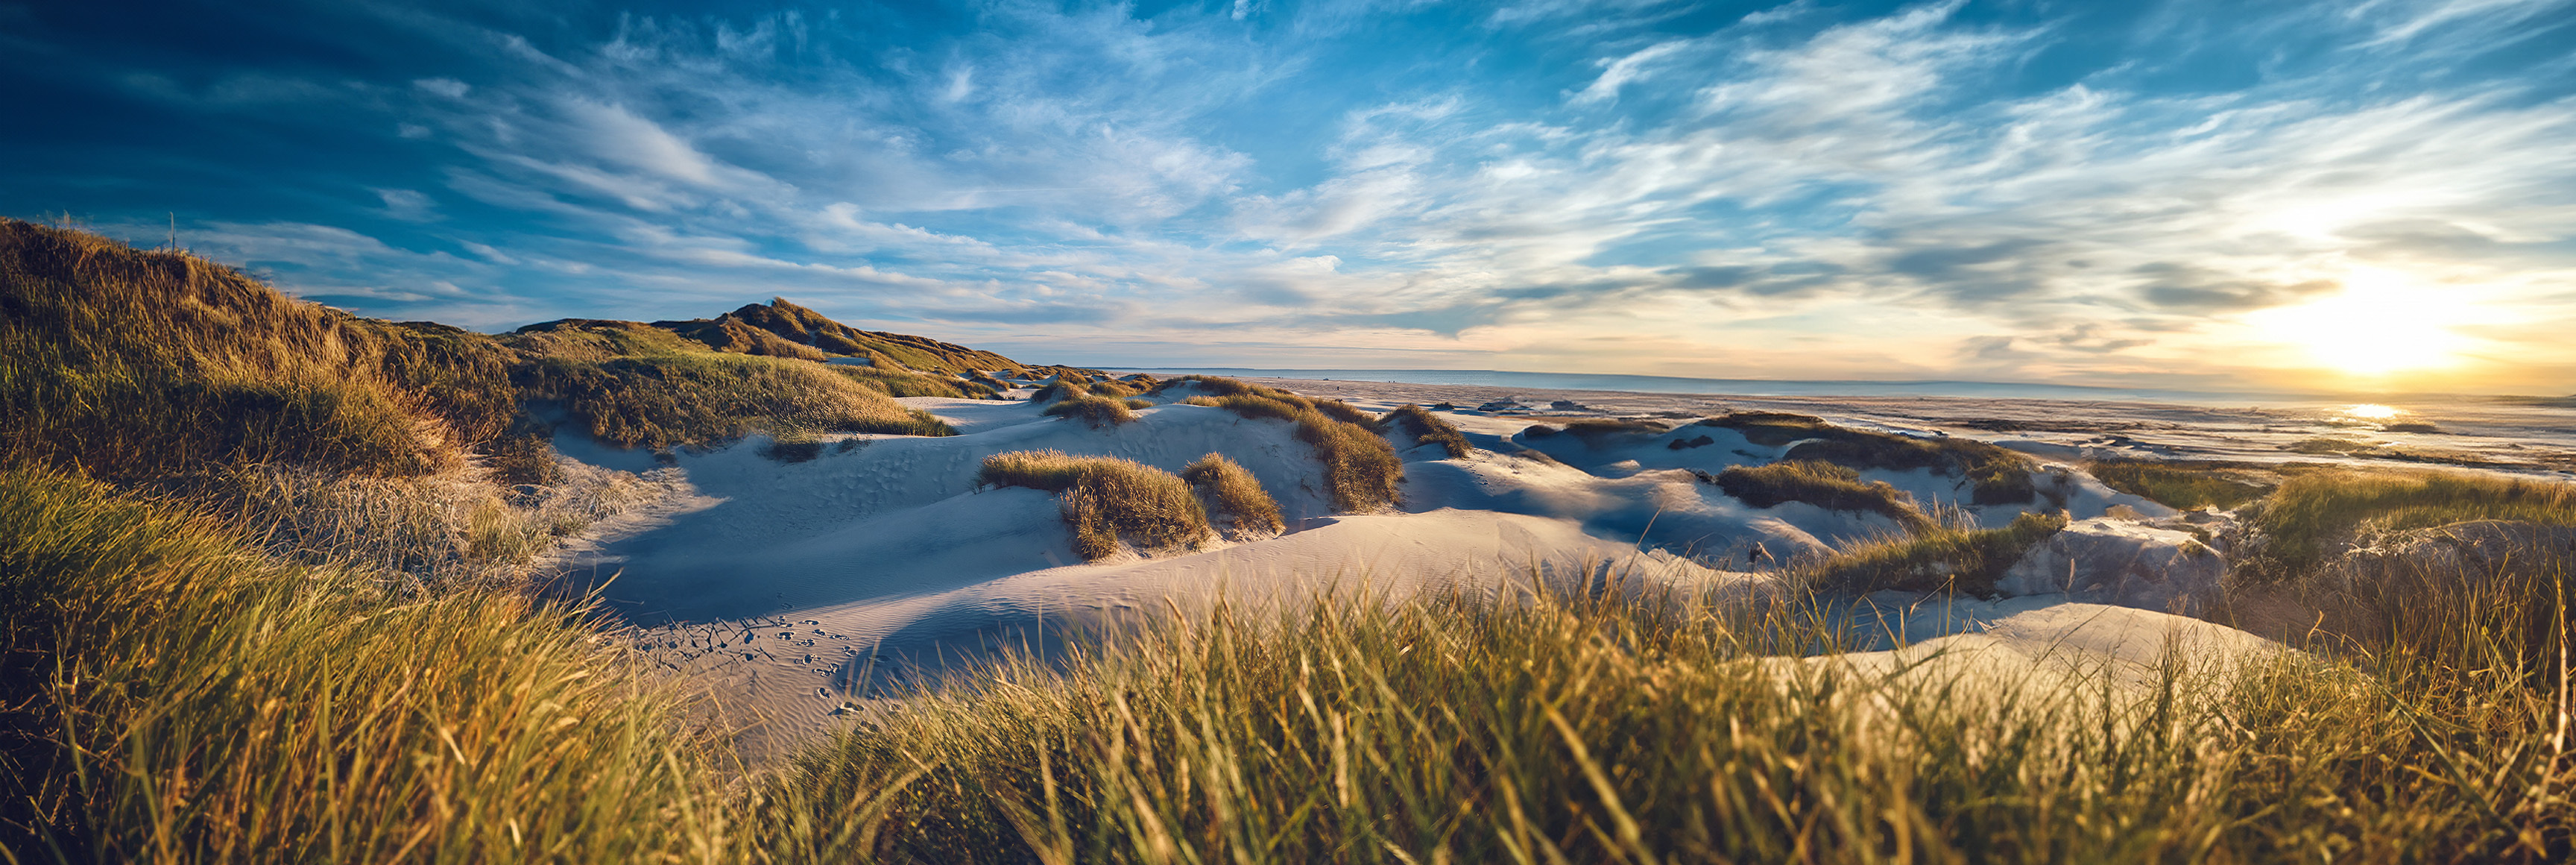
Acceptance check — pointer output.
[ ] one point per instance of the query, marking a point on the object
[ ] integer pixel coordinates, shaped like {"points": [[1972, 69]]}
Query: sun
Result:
{"points": [[2376, 326]]}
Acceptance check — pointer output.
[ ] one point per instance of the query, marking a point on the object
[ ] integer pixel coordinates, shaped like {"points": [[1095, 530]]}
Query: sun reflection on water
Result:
{"points": [[2373, 411]]}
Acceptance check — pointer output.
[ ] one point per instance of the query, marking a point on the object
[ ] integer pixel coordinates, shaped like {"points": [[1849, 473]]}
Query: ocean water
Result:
{"points": [[1756, 387]]}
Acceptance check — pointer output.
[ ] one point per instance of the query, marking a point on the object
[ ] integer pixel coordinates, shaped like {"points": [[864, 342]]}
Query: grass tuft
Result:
{"points": [[1230, 493], [1825, 485], [2313, 512], [2186, 487], [1107, 500], [1427, 428], [1999, 476], [1953, 555], [1097, 411], [1360, 469]]}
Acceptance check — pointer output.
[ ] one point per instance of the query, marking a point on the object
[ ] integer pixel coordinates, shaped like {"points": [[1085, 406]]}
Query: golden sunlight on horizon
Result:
{"points": [[2382, 323]]}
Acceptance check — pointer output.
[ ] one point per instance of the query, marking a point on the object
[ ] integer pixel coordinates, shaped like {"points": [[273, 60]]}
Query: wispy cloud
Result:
{"points": [[1933, 189]]}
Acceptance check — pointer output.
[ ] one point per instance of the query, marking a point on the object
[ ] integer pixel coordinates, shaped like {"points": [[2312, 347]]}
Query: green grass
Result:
{"points": [[1107, 500], [1426, 428], [1233, 496], [2314, 512], [1826, 485], [1950, 555], [2186, 486], [1360, 469]]}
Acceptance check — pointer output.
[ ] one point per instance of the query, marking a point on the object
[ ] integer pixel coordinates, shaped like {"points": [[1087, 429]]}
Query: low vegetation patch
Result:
{"points": [[704, 398], [1360, 469], [2186, 486], [1597, 431], [1953, 555], [1233, 496], [1425, 428], [1998, 476], [1097, 411], [1072, 386], [2316, 512], [1107, 499], [901, 382], [1825, 485]]}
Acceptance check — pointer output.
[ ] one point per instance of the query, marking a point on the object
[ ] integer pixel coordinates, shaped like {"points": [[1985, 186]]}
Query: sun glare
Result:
{"points": [[2373, 411], [2379, 324]]}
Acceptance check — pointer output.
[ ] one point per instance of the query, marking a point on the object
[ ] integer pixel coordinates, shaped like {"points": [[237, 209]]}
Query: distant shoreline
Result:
{"points": [[1782, 388]]}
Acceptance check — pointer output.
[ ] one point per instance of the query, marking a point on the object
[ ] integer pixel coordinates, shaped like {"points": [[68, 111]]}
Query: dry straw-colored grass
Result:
{"points": [[1360, 469], [1107, 500], [192, 701], [134, 364], [202, 703], [2183, 486], [1999, 476], [1426, 428], [1233, 496], [1623, 728], [1947, 555], [639, 386], [1094, 410], [2314, 513], [1826, 485]]}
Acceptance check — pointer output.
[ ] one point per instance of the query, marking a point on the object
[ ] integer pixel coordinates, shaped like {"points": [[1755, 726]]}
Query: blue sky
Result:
{"points": [[2204, 194]]}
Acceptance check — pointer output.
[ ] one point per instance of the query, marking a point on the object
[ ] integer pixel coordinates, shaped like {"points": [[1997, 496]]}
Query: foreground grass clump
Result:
{"points": [[1106, 499], [1826, 485], [202, 703], [1953, 555], [1095, 410], [2313, 512], [1629, 729], [2186, 487], [1426, 428], [1999, 476], [1230, 493], [636, 385], [1360, 469], [134, 364]]}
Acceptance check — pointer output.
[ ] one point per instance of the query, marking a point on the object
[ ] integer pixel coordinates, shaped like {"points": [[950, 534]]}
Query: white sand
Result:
{"points": [[792, 587]]}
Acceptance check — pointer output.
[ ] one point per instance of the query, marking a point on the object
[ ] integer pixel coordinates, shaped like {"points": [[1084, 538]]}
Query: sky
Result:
{"points": [[2371, 195]]}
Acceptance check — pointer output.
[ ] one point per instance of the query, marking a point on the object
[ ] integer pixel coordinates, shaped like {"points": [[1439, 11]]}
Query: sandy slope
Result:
{"points": [[792, 582]]}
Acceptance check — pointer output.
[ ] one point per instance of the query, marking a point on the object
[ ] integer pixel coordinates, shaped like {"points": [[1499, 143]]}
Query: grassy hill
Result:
{"points": [[127, 363], [784, 329]]}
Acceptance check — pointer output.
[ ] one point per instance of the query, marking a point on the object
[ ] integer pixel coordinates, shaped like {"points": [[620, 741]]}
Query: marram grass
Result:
{"points": [[196, 701], [207, 704]]}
